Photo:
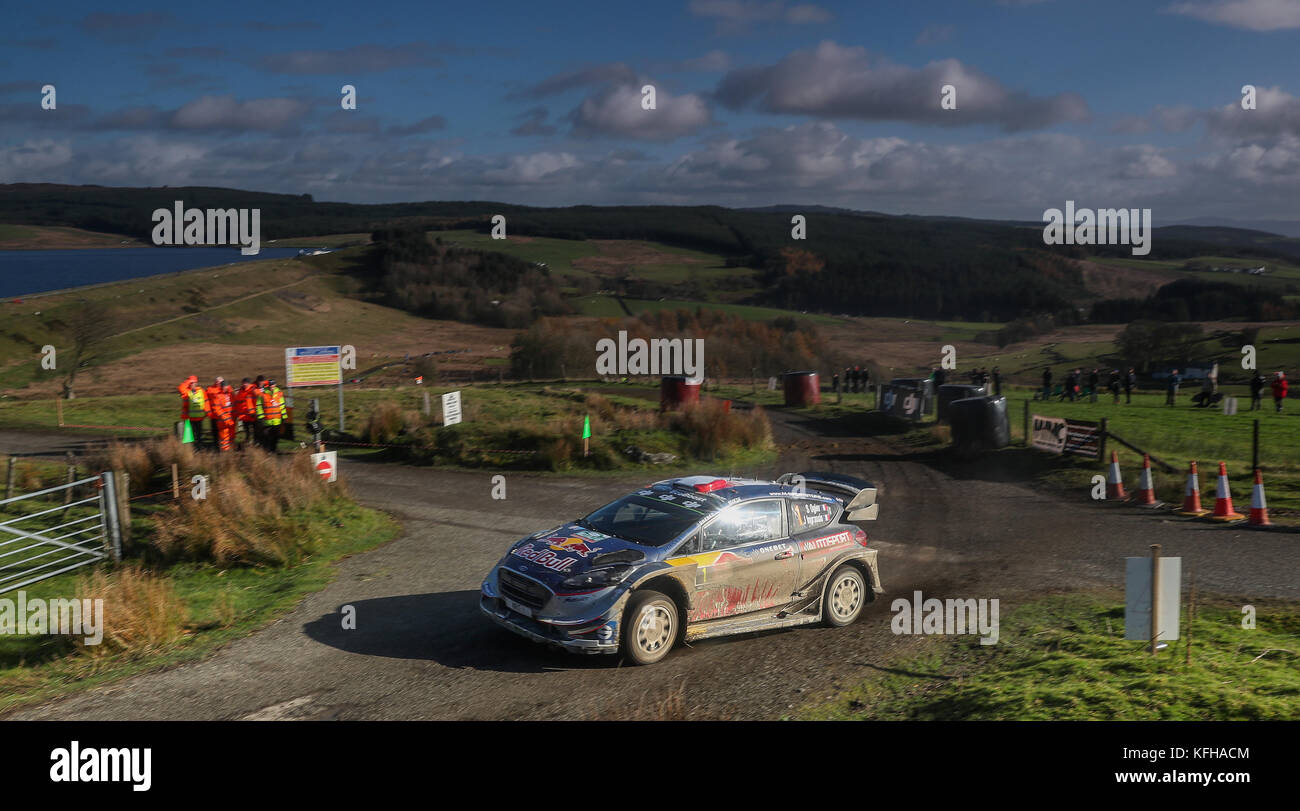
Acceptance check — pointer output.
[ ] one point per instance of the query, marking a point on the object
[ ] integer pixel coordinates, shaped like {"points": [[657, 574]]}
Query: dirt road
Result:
{"points": [[422, 651]]}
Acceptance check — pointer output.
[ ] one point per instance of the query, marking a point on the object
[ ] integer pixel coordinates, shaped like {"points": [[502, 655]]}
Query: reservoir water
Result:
{"points": [[23, 273]]}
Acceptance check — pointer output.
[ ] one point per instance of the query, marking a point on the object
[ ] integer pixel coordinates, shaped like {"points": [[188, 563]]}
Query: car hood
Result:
{"points": [[570, 549]]}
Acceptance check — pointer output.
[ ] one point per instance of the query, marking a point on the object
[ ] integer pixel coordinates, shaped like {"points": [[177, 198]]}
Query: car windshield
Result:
{"points": [[648, 520]]}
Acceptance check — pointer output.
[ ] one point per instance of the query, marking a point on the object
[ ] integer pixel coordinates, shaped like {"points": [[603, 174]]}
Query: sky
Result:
{"points": [[757, 102]]}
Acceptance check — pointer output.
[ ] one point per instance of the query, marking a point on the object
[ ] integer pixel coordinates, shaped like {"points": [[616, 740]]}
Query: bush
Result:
{"points": [[142, 613]]}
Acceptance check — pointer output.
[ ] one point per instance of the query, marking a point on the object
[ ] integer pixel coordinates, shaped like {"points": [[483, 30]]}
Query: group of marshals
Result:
{"points": [[258, 406]]}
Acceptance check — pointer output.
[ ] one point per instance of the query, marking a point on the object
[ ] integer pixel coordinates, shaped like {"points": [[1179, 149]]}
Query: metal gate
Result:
{"points": [[54, 532]]}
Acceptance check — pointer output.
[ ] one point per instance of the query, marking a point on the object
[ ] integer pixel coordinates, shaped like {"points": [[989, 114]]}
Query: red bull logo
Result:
{"points": [[579, 546]]}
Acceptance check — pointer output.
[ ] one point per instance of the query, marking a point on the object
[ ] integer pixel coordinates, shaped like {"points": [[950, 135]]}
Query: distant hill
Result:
{"points": [[855, 262], [1286, 228]]}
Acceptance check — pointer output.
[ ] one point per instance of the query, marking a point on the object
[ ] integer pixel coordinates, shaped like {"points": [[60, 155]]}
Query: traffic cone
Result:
{"points": [[1258, 509], [1146, 495], [1192, 495], [1223, 499], [1115, 484], [187, 433]]}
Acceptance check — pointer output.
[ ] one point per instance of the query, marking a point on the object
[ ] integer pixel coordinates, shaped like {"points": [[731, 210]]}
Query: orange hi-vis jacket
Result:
{"points": [[245, 407], [221, 407], [212, 392], [270, 405], [194, 400]]}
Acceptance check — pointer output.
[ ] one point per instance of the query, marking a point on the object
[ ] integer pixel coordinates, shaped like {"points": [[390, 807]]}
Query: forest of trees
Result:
{"points": [[407, 271], [1195, 300]]}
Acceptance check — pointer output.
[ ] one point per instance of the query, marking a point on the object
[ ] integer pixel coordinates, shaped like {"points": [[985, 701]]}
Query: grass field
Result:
{"points": [[37, 237], [607, 307], [1179, 435], [220, 605], [1065, 658]]}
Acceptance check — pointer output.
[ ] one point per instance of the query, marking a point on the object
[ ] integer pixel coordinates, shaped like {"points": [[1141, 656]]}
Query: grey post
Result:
{"points": [[1155, 595], [108, 508]]}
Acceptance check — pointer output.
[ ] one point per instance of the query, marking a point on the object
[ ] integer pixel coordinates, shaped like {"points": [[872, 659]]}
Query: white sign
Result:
{"points": [[1137, 598], [312, 366], [451, 408], [771, 384], [326, 464], [1049, 434], [1229, 405]]}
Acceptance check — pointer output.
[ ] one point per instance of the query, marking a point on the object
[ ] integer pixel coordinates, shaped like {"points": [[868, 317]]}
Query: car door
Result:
{"points": [[745, 561]]}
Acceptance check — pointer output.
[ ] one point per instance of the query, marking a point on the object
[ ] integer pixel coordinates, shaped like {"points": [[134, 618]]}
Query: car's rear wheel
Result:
{"points": [[846, 595], [649, 627]]}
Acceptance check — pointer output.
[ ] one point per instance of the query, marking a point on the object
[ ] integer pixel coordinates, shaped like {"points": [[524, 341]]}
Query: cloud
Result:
{"points": [[226, 114], [846, 82], [195, 52], [733, 15], [433, 122], [711, 62], [1276, 113], [302, 25], [617, 111], [354, 60], [608, 72], [533, 123], [1252, 15], [934, 34], [122, 28]]}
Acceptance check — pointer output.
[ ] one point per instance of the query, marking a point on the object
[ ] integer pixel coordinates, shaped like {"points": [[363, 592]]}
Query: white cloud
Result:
{"points": [[1252, 15]]}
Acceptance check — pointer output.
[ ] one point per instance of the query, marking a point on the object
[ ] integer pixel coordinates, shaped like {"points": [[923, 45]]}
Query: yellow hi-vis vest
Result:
{"points": [[270, 406], [198, 404]]}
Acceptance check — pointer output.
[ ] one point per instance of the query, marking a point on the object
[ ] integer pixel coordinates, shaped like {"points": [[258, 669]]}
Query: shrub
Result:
{"points": [[142, 612]]}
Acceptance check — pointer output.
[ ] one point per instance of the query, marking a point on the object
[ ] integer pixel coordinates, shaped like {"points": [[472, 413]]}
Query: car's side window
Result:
{"points": [[806, 515], [742, 524]]}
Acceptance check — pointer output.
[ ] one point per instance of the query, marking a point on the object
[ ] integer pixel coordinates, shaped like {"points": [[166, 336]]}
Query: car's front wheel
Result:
{"points": [[846, 595], [649, 627]]}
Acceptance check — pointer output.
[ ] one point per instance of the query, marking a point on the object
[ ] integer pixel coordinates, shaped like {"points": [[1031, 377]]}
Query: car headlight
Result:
{"points": [[596, 578]]}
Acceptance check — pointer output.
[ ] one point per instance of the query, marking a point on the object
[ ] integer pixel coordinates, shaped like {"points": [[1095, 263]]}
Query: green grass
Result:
{"points": [[607, 307], [1065, 658], [1178, 435], [223, 605], [558, 254]]}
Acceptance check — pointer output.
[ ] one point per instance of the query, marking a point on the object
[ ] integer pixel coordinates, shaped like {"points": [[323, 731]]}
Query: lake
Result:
{"points": [[23, 273]]}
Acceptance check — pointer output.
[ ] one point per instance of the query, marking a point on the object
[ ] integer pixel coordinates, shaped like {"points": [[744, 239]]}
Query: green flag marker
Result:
{"points": [[188, 434], [586, 426]]}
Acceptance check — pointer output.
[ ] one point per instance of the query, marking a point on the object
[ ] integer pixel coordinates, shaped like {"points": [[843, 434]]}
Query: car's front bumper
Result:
{"points": [[602, 640]]}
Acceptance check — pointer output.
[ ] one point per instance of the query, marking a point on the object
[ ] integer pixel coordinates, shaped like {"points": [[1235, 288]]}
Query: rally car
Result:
{"points": [[692, 558]]}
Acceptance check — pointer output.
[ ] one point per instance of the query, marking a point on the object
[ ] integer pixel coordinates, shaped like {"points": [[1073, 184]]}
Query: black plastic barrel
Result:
{"points": [[924, 387], [955, 391], [979, 423]]}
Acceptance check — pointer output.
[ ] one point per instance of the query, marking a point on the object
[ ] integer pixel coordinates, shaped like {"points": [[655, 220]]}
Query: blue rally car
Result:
{"points": [[692, 558]]}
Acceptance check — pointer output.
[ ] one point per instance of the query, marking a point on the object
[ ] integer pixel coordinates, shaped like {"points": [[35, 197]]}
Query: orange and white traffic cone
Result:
{"points": [[1115, 484], [1258, 509], [1192, 495], [1223, 499], [1146, 495]]}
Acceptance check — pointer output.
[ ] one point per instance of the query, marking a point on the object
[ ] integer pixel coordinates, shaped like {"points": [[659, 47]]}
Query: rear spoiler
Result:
{"points": [[861, 494]]}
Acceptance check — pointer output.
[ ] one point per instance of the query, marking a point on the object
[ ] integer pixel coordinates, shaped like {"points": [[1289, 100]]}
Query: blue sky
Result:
{"points": [[759, 102]]}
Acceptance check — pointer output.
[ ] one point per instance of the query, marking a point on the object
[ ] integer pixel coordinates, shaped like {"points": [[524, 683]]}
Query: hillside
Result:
{"points": [[856, 263]]}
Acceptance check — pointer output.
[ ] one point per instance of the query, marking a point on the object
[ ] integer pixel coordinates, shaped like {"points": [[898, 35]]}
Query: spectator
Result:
{"points": [[1257, 384], [1130, 383], [997, 382], [1279, 390], [1094, 381], [1113, 385], [1171, 388], [1047, 382], [1213, 377]]}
